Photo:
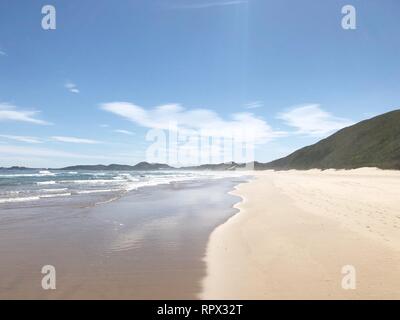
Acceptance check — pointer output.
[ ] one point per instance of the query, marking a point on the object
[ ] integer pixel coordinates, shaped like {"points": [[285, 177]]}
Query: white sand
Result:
{"points": [[297, 229]]}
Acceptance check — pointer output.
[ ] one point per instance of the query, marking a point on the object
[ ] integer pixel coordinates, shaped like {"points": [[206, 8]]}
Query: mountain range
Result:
{"points": [[370, 143]]}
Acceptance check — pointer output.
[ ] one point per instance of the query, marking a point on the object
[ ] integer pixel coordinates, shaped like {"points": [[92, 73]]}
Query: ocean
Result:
{"points": [[126, 235], [44, 187]]}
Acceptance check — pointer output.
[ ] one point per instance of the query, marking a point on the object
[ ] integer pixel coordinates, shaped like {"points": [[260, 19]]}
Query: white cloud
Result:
{"points": [[74, 140], [2, 53], [10, 112], [203, 121], [71, 87], [43, 152], [205, 5], [104, 125], [21, 138], [312, 120], [124, 132], [253, 105]]}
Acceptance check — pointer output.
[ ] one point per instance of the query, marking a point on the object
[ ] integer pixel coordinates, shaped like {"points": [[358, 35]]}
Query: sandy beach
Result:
{"points": [[296, 230]]}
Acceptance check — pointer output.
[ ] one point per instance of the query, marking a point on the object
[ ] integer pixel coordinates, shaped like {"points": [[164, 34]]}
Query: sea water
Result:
{"points": [[31, 186]]}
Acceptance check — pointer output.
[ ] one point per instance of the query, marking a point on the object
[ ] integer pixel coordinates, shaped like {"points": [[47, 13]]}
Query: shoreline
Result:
{"points": [[149, 244], [295, 231]]}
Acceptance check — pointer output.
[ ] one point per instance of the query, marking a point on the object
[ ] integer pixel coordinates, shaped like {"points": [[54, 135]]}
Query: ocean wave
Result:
{"points": [[11, 192], [114, 183], [21, 175], [98, 181], [126, 176], [155, 182], [41, 173], [97, 191], [22, 199], [46, 173], [53, 190], [100, 174], [40, 183], [55, 195]]}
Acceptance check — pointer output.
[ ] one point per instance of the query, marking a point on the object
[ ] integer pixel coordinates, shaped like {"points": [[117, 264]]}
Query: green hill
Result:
{"points": [[217, 167], [370, 143], [121, 167]]}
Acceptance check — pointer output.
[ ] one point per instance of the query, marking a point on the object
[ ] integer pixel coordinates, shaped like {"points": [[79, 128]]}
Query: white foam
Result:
{"points": [[97, 191], [55, 195], [54, 190], [12, 192], [98, 181], [118, 182], [159, 180], [19, 199], [42, 173], [17, 175], [45, 183], [126, 176], [46, 173]]}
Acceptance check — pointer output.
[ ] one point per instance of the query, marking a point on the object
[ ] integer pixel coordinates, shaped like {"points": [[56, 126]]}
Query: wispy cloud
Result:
{"points": [[312, 120], [43, 152], [104, 125], [124, 132], [71, 87], [2, 53], [10, 112], [208, 4], [203, 121], [21, 138], [74, 140], [254, 105]]}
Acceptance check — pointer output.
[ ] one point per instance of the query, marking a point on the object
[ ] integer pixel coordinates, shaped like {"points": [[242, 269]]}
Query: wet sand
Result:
{"points": [[149, 244], [296, 230]]}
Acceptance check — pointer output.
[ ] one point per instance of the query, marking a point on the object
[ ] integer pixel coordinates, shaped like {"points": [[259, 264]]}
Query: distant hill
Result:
{"points": [[15, 168], [121, 167], [219, 166], [370, 143], [151, 166], [155, 166]]}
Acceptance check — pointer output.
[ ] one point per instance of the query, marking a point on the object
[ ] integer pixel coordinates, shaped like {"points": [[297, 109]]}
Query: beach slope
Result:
{"points": [[298, 233]]}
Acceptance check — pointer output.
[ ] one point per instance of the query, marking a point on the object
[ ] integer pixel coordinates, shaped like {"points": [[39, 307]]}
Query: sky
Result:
{"points": [[112, 75]]}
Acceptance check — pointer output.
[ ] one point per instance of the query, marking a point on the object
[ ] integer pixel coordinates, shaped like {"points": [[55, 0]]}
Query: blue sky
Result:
{"points": [[89, 91]]}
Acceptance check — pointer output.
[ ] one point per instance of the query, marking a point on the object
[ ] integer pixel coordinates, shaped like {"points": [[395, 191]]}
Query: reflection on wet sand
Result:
{"points": [[148, 244]]}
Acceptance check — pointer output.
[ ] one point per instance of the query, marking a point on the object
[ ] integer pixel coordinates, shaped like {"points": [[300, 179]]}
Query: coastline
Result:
{"points": [[149, 244], [295, 231]]}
